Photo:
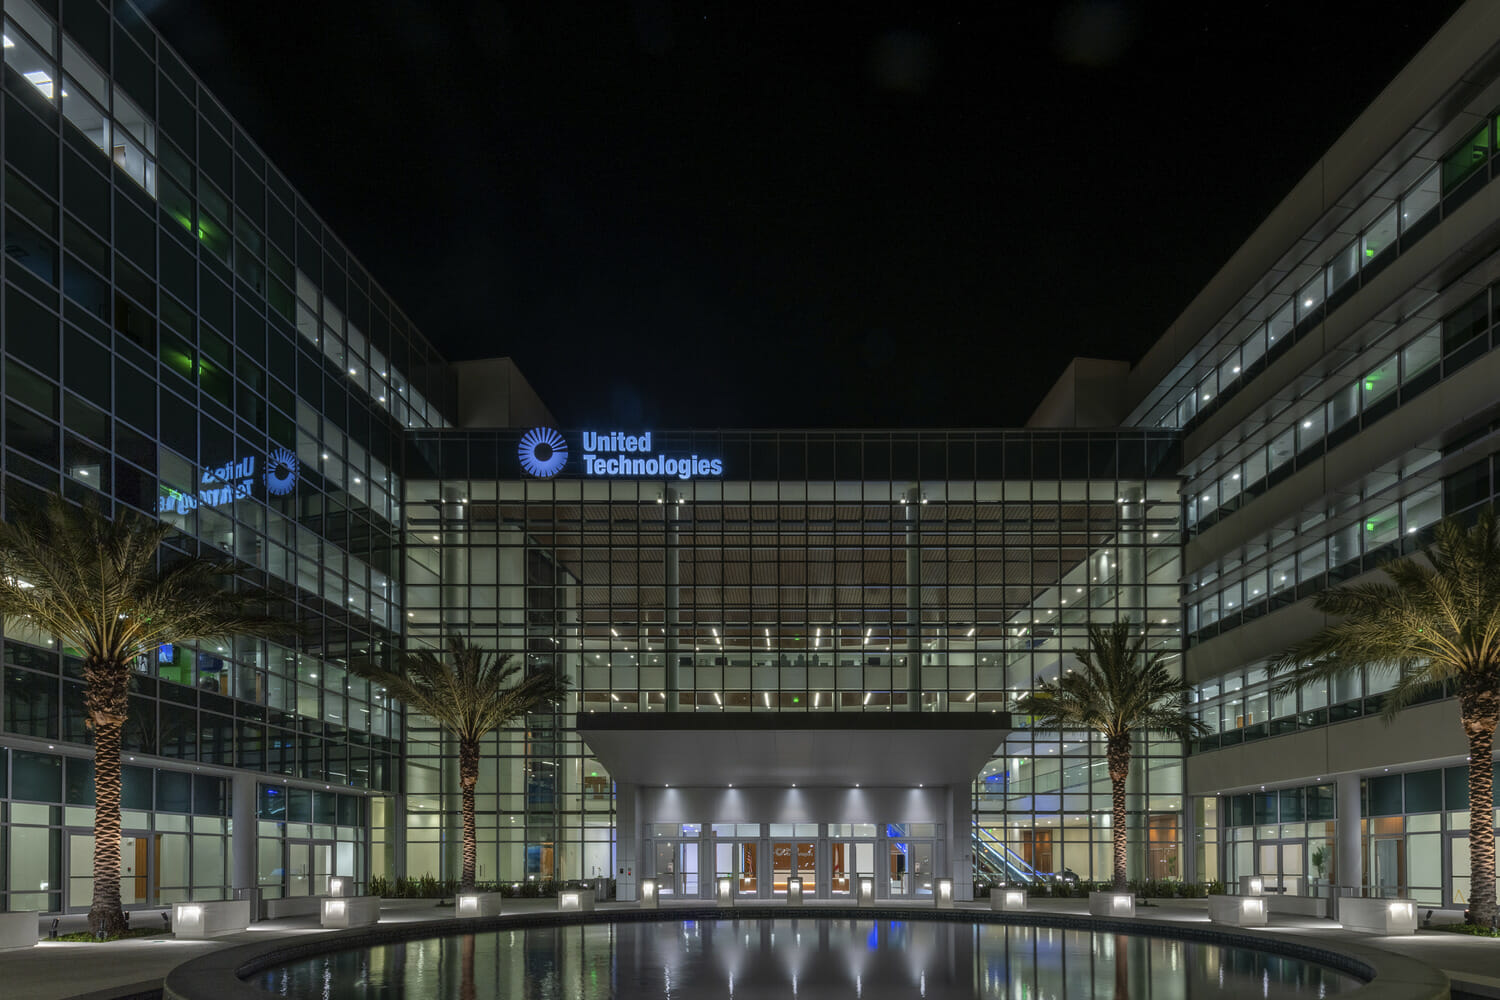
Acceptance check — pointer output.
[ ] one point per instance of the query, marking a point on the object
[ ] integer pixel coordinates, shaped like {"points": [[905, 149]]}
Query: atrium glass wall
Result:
{"points": [[183, 337], [869, 572]]}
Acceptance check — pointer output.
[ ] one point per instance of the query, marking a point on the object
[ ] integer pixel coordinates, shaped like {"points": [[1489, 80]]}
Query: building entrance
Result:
{"points": [[847, 861], [739, 860], [797, 857], [909, 868], [677, 868]]}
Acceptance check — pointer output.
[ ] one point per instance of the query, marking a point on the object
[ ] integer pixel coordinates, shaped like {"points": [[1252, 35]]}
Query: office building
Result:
{"points": [[791, 653]]}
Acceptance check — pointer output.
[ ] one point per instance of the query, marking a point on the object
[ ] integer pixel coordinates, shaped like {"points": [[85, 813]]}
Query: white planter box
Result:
{"points": [[942, 893], [794, 891], [865, 886], [1111, 904], [1241, 911], [725, 891], [581, 900], [1008, 900], [294, 906], [1252, 885], [650, 898], [203, 920], [1378, 916], [19, 929], [351, 911], [477, 904]]}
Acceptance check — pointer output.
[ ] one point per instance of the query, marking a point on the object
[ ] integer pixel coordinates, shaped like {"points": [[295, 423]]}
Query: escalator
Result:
{"points": [[994, 859]]}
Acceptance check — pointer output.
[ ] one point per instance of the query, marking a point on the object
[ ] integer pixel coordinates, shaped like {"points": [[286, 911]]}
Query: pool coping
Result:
{"points": [[220, 975]]}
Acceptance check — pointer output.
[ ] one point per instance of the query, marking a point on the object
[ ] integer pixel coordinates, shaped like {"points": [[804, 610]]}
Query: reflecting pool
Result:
{"points": [[816, 958]]}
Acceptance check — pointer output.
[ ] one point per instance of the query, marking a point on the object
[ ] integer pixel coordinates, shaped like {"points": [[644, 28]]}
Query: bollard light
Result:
{"points": [[1257, 886]]}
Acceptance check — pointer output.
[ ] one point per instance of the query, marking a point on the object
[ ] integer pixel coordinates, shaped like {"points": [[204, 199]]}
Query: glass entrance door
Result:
{"points": [[847, 861], [1280, 865], [790, 858], [910, 868], [736, 860], [677, 867]]}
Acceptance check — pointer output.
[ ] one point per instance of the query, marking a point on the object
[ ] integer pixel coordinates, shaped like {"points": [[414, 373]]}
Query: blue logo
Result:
{"points": [[281, 472], [543, 452]]}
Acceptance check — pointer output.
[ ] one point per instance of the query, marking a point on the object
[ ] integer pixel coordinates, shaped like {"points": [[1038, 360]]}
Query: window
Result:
{"points": [[1378, 382], [1310, 297], [1310, 430], [1345, 265], [1420, 200], [1380, 237], [1279, 326], [1343, 407], [1420, 355], [1467, 159]]}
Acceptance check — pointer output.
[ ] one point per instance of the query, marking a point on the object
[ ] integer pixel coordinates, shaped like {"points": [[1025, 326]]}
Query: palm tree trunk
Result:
{"points": [[1480, 712], [106, 700], [468, 777], [105, 912], [1118, 755]]}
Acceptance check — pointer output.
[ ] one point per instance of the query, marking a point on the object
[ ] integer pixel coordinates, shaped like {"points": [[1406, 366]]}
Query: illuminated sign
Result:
{"points": [[233, 481], [597, 449], [543, 452]]}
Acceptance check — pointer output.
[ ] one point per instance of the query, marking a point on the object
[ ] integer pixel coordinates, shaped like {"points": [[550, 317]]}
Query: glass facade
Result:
{"points": [[183, 337], [848, 572]]}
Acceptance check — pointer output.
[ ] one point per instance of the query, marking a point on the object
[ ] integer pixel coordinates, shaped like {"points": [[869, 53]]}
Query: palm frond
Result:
{"points": [[93, 581], [1430, 621], [1120, 688], [468, 692]]}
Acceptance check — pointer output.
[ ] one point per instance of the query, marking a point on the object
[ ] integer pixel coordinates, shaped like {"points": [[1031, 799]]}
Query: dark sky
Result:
{"points": [[757, 213]]}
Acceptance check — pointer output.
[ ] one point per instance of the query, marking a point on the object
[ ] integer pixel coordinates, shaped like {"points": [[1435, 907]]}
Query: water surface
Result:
{"points": [[813, 958]]}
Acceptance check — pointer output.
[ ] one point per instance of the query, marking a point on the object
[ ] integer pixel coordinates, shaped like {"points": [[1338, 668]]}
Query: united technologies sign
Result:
{"points": [[543, 453]]}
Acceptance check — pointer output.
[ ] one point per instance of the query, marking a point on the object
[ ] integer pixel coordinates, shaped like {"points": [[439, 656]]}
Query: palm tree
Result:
{"points": [[469, 695], [1120, 690], [94, 583], [1431, 624]]}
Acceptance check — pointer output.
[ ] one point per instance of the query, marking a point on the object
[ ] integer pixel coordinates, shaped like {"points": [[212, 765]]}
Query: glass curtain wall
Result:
{"points": [[793, 593]]}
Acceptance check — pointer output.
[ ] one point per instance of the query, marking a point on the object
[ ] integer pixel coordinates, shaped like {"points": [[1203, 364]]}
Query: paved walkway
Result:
{"points": [[58, 970]]}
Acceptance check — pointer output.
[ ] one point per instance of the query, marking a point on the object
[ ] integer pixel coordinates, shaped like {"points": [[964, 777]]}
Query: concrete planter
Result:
{"points": [[724, 892], [351, 911], [1008, 900], [581, 900], [1239, 911], [294, 906], [19, 929], [1387, 917], [1111, 904], [650, 898], [794, 891], [477, 904], [865, 886], [194, 921], [942, 894]]}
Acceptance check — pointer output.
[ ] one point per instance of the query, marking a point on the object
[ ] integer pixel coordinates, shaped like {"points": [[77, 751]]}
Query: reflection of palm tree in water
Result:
{"points": [[1122, 967], [466, 989]]}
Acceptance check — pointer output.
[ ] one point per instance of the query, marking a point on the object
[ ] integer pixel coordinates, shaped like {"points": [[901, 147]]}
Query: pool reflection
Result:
{"points": [[809, 957]]}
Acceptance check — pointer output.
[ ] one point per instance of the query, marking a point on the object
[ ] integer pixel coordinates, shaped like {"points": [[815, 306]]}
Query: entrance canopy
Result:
{"points": [[805, 748]]}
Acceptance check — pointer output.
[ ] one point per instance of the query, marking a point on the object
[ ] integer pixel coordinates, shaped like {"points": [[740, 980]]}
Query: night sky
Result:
{"points": [[767, 214]]}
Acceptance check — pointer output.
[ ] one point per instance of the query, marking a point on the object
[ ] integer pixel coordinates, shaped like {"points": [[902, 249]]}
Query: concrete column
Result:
{"points": [[673, 575], [960, 838], [627, 833], [913, 600], [242, 840], [1348, 858]]}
